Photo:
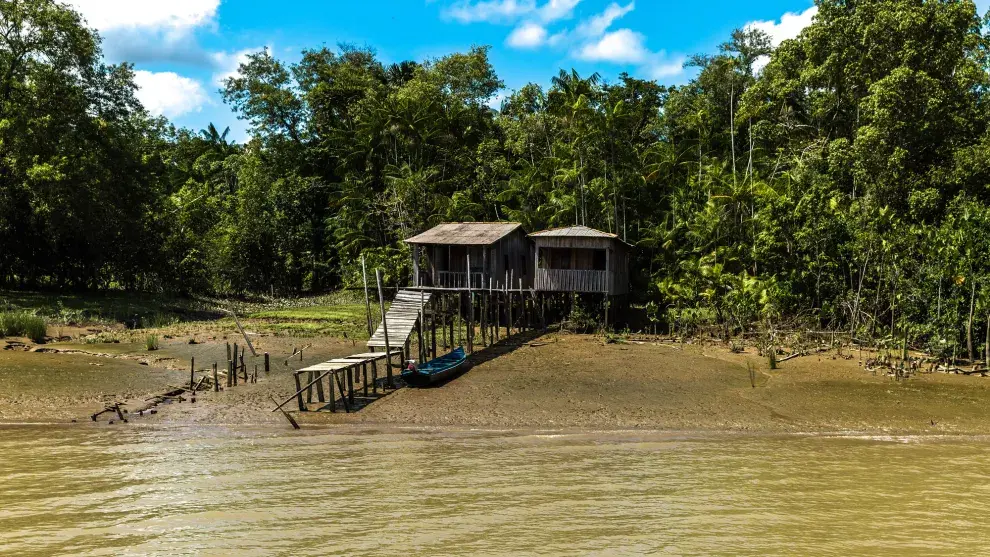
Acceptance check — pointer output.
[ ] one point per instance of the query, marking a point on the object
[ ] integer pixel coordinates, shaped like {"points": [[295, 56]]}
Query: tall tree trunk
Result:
{"points": [[986, 347], [732, 128], [969, 325]]}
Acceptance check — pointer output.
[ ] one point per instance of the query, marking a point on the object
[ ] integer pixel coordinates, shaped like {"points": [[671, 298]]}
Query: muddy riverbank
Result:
{"points": [[557, 382]]}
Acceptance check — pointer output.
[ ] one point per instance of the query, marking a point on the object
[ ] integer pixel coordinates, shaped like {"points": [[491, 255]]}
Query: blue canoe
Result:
{"points": [[437, 370]]}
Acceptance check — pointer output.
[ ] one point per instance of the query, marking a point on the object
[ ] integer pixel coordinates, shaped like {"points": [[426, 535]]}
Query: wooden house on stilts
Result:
{"points": [[484, 253], [579, 259]]}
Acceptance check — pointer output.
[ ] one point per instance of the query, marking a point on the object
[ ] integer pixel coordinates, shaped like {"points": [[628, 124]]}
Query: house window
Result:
{"points": [[560, 258], [600, 261]]}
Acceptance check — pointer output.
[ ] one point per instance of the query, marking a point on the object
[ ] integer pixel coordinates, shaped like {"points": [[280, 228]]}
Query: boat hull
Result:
{"points": [[437, 371]]}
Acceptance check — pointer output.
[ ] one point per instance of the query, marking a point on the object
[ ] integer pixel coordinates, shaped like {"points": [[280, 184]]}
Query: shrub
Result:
{"points": [[23, 325]]}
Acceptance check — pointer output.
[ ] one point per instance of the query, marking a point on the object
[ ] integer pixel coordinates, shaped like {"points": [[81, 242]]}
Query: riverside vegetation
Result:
{"points": [[839, 180]]}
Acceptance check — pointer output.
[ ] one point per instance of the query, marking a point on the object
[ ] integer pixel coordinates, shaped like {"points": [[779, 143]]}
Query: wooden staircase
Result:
{"points": [[402, 317]]}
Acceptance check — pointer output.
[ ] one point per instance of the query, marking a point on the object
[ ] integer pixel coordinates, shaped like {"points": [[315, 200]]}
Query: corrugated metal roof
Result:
{"points": [[574, 232], [466, 233]]}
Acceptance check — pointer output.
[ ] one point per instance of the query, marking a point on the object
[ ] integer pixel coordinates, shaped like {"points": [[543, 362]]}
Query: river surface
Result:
{"points": [[194, 491]]}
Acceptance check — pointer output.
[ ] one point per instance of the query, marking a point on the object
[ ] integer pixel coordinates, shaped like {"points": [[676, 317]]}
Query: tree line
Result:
{"points": [[841, 178]]}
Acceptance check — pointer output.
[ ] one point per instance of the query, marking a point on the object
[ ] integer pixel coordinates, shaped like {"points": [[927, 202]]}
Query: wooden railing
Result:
{"points": [[449, 279], [567, 280]]}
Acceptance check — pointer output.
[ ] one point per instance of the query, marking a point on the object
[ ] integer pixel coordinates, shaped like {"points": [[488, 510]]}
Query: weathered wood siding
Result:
{"points": [[446, 266], [614, 280]]}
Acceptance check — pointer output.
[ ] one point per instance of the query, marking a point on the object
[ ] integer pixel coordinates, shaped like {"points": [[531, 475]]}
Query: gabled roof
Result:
{"points": [[576, 232], [466, 233]]}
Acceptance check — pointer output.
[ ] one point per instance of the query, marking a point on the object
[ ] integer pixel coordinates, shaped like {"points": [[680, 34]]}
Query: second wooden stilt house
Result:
{"points": [[582, 260]]}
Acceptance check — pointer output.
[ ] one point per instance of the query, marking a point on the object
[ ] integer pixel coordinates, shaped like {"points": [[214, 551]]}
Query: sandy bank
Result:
{"points": [[570, 381]]}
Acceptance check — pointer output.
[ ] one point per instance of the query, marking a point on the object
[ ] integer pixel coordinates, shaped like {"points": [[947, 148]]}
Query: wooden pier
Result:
{"points": [[347, 379]]}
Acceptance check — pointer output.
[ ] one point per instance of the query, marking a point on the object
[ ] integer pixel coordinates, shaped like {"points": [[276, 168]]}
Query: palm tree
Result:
{"points": [[217, 140]]}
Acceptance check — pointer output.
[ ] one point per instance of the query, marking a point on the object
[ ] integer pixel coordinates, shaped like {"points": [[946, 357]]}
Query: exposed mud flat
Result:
{"points": [[558, 382]]}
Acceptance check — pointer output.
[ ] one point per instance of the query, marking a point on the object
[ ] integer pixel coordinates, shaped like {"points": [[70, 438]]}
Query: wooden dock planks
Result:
{"points": [[402, 317]]}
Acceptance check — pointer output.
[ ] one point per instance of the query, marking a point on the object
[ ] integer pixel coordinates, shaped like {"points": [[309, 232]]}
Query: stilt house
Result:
{"points": [[495, 250], [581, 259]]}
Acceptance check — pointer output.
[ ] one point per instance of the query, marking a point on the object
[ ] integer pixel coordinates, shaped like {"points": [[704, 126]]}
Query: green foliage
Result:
{"points": [[19, 324], [845, 185], [151, 342]]}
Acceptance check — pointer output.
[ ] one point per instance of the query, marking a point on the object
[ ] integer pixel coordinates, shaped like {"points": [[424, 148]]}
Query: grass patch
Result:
{"points": [[22, 324], [341, 314], [151, 343], [104, 337]]}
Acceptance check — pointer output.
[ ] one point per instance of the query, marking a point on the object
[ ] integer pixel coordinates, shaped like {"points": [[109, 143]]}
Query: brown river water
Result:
{"points": [[195, 491]]}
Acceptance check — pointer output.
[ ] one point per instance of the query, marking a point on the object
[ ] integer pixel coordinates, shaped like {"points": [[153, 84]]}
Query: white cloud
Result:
{"points": [[789, 26], [495, 103], [661, 67], [509, 11], [597, 25], [169, 94], [491, 11], [150, 31], [760, 62], [620, 46], [555, 10], [170, 14], [229, 63], [527, 35]]}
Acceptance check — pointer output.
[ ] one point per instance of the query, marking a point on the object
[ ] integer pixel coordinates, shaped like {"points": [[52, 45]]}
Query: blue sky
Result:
{"points": [[183, 48]]}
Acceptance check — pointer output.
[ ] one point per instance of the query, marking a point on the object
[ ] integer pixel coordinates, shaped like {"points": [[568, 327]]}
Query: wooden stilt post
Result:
{"points": [[367, 298], [505, 304], [511, 303], [309, 390], [374, 377], [320, 395], [452, 316], [350, 385], [433, 326], [422, 317], [484, 317], [445, 322], [470, 315], [606, 311], [333, 395], [493, 294], [216, 376], [230, 375], [388, 348], [192, 373], [364, 377], [299, 399], [524, 324], [228, 351], [268, 364]]}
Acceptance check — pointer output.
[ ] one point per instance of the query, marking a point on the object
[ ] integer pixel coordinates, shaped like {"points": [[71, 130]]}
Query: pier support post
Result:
{"points": [[299, 398], [388, 348]]}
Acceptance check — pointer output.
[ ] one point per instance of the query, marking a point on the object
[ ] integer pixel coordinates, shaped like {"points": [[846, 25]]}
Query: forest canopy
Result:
{"points": [[841, 178]]}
